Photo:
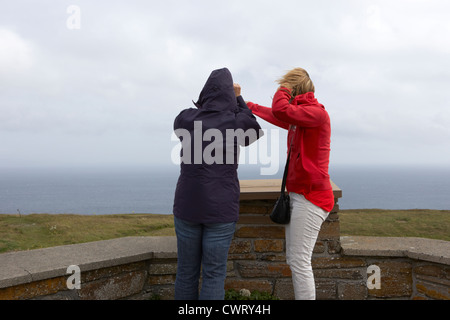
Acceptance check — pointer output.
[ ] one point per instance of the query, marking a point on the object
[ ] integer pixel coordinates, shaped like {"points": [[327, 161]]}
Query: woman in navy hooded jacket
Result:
{"points": [[206, 205]]}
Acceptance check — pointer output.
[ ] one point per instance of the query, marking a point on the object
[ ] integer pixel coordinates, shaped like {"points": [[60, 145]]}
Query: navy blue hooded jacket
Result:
{"points": [[208, 187]]}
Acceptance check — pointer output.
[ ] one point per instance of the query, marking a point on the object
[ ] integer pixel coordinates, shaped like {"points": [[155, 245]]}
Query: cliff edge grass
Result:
{"points": [[33, 231]]}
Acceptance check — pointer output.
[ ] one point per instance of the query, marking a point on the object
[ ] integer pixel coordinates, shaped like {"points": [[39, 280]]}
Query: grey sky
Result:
{"points": [[107, 93]]}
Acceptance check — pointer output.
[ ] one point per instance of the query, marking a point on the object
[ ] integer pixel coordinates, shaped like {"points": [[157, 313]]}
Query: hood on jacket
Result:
{"points": [[307, 99], [218, 93]]}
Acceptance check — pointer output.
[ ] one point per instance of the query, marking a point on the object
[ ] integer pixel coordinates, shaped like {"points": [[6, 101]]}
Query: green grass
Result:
{"points": [[432, 224], [46, 230]]}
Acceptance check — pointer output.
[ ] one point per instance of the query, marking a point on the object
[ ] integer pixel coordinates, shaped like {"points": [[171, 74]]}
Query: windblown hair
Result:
{"points": [[298, 80]]}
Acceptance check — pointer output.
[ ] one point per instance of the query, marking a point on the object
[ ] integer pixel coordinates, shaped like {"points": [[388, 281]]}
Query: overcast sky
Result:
{"points": [[108, 92]]}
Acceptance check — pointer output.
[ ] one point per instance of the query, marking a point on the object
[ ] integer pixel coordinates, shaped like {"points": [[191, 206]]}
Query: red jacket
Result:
{"points": [[309, 130]]}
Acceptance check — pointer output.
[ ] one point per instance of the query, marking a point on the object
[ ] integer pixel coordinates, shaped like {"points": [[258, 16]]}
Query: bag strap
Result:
{"points": [[283, 184]]}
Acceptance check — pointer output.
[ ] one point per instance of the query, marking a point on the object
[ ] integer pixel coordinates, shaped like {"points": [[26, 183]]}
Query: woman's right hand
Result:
{"points": [[237, 89]]}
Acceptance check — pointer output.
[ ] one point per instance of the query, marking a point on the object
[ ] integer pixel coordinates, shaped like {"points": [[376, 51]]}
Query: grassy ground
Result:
{"points": [[45, 230], [433, 224]]}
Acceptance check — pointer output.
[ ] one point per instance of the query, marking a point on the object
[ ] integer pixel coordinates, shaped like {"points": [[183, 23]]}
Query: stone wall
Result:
{"points": [[123, 268], [257, 254], [410, 268], [145, 267]]}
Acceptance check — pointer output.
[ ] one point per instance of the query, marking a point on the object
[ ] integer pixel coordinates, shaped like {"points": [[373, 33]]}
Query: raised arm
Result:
{"points": [[265, 113], [307, 114], [246, 121]]}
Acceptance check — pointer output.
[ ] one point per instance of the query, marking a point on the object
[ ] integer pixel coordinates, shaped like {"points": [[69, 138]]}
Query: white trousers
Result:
{"points": [[301, 236]]}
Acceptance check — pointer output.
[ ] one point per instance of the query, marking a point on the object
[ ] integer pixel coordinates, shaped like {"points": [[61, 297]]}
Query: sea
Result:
{"points": [[125, 190]]}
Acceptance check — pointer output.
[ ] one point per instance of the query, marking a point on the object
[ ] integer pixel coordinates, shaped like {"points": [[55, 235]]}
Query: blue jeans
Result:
{"points": [[202, 247]]}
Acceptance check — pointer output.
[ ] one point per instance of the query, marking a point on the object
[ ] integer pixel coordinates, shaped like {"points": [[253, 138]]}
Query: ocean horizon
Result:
{"points": [[96, 191]]}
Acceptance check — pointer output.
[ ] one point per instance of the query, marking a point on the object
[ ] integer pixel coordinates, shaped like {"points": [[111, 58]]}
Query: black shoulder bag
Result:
{"points": [[281, 212]]}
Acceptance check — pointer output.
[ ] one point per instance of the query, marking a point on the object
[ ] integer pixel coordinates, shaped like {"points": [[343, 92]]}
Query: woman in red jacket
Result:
{"points": [[296, 109]]}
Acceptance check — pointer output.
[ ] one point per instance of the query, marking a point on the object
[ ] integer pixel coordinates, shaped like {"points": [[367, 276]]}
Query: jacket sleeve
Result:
{"points": [[185, 120], [302, 116], [245, 120], [178, 122], [265, 113]]}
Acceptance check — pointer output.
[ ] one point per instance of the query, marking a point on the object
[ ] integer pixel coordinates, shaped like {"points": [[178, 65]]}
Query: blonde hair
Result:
{"points": [[298, 80]]}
